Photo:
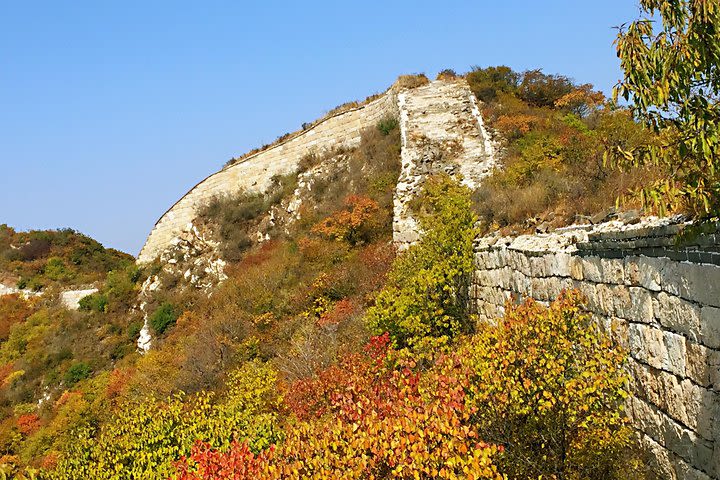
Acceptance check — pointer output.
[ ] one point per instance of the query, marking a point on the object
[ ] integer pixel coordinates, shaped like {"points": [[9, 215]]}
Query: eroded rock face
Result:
{"points": [[195, 256], [442, 132]]}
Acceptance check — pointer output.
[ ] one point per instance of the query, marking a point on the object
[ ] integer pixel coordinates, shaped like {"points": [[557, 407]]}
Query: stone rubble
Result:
{"points": [[442, 132]]}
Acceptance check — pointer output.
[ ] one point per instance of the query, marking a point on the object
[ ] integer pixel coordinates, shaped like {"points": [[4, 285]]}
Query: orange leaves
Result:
{"points": [[352, 223], [239, 463], [13, 309], [28, 423], [581, 100], [118, 382], [369, 417]]}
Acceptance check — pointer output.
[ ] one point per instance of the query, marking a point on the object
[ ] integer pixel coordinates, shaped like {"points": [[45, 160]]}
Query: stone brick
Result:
{"points": [[649, 272], [710, 327], [558, 264], [702, 365], [592, 269], [679, 315], [613, 271], [576, 268], [697, 282]]}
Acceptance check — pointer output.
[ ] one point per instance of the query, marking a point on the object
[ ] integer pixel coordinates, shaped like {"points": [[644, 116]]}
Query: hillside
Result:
{"points": [[357, 301]]}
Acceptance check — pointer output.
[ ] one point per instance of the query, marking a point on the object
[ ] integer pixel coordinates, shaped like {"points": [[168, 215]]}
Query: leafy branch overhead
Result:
{"points": [[673, 83]]}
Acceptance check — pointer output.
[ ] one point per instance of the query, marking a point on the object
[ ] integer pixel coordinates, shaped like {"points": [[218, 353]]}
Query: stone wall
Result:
{"points": [[442, 131], [255, 171], [659, 298]]}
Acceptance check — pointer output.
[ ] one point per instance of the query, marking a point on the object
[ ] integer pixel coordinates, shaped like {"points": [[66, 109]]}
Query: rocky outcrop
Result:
{"points": [[442, 131], [659, 299]]}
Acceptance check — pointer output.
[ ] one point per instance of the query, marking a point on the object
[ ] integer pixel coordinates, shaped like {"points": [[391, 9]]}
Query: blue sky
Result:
{"points": [[110, 111]]}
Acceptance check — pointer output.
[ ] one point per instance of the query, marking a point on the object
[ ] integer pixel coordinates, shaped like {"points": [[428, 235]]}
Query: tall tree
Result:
{"points": [[670, 60]]}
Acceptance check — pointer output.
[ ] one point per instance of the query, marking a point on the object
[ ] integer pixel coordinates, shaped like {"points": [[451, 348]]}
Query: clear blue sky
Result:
{"points": [[110, 111]]}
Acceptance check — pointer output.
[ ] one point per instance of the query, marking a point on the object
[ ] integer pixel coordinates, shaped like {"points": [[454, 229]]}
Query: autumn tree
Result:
{"points": [[353, 223], [672, 80], [550, 387], [426, 292]]}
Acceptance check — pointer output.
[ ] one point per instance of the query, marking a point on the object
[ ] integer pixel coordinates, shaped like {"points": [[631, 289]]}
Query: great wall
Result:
{"points": [[659, 298]]}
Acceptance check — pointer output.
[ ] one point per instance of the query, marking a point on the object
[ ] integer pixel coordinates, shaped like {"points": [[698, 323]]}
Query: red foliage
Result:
{"points": [[237, 464], [370, 416], [28, 423], [117, 383], [339, 312]]}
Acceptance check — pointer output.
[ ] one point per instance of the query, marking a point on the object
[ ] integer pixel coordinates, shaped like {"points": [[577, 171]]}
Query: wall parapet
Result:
{"points": [[664, 311]]}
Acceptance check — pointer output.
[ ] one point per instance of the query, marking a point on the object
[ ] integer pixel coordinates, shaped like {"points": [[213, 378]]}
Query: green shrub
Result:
{"points": [[426, 291], [55, 269], [387, 125], [165, 316], [486, 83], [95, 302], [76, 372], [133, 330], [447, 74]]}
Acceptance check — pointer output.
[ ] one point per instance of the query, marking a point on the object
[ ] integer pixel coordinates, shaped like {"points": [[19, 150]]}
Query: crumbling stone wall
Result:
{"points": [[659, 299], [442, 132], [441, 128], [254, 172]]}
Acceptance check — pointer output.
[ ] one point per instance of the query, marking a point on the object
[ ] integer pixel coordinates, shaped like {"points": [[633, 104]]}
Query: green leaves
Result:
{"points": [[672, 78], [426, 292]]}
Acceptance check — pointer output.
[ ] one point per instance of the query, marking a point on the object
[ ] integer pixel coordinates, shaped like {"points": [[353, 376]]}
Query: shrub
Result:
{"points": [[487, 83], [353, 224], [55, 270], [162, 318], [550, 387], [76, 372], [387, 125], [447, 74], [95, 302], [412, 81], [426, 292], [543, 90], [368, 417]]}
